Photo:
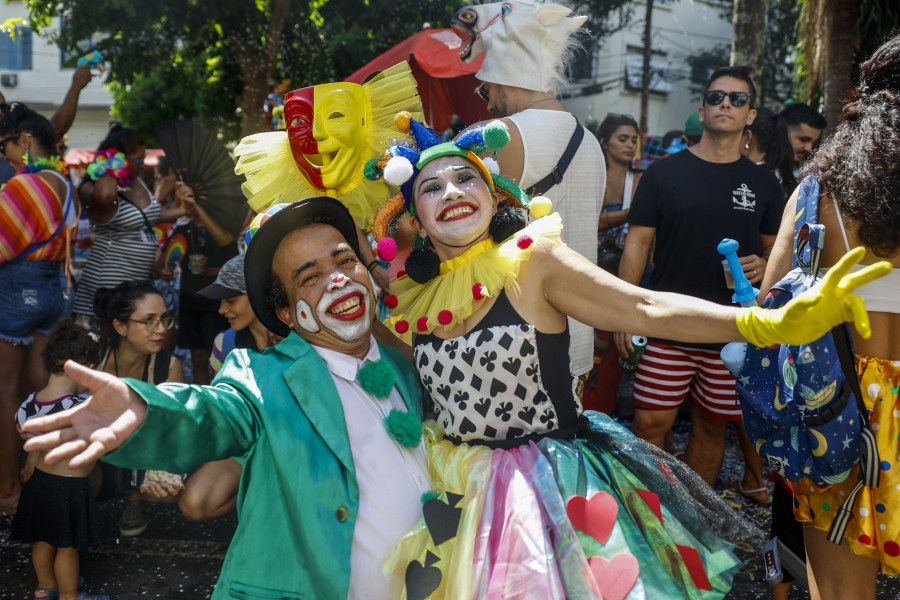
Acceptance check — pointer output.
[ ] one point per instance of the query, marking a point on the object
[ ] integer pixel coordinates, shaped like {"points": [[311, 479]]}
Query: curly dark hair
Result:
{"points": [[69, 341], [858, 164]]}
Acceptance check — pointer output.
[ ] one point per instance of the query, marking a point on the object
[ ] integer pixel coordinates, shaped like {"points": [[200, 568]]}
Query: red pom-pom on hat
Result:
{"points": [[390, 301], [401, 327], [478, 291], [422, 323], [524, 241], [445, 317]]}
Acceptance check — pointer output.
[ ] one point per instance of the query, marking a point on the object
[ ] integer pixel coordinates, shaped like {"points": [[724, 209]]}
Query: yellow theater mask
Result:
{"points": [[333, 129]]}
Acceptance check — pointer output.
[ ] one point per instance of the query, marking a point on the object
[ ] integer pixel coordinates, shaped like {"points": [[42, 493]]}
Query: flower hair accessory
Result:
{"points": [[110, 162]]}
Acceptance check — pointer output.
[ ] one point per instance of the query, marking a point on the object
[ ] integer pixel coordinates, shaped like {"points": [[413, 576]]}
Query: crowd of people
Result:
{"points": [[400, 371]]}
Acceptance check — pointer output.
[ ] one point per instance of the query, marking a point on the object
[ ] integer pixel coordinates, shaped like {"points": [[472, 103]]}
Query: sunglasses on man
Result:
{"points": [[482, 93], [5, 141], [716, 97]]}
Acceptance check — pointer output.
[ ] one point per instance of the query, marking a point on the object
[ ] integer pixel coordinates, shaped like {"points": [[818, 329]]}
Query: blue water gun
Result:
{"points": [[92, 59], [745, 294]]}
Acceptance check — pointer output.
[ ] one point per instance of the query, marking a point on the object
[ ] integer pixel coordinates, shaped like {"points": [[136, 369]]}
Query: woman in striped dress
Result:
{"points": [[123, 212], [34, 206]]}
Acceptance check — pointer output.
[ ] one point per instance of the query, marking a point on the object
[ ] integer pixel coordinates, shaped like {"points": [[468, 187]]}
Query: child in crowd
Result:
{"points": [[57, 511]]}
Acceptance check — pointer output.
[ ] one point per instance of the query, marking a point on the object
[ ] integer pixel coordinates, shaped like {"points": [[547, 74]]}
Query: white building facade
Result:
{"points": [[680, 29], [31, 72]]}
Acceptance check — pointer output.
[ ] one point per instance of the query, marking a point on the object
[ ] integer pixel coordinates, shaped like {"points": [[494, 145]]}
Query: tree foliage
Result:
{"points": [[214, 62]]}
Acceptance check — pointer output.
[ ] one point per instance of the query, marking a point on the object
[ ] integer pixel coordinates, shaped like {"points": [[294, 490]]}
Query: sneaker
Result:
{"points": [[133, 521]]}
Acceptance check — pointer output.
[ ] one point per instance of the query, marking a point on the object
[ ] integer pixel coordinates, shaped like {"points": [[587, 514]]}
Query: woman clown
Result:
{"points": [[534, 497]]}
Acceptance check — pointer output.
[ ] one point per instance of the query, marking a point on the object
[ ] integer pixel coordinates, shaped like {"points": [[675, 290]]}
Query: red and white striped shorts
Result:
{"points": [[666, 374]]}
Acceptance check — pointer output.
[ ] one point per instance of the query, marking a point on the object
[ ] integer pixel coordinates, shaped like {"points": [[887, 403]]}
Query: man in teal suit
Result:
{"points": [[326, 488]]}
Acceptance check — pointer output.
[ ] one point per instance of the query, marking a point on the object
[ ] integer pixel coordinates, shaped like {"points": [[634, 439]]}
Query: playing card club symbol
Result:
{"points": [[422, 580], [442, 518]]}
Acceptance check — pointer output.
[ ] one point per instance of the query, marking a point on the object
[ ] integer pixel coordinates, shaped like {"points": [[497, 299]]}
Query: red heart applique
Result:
{"points": [[615, 577], [594, 517]]}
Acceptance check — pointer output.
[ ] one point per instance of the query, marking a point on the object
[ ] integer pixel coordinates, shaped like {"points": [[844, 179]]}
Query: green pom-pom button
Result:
{"points": [[377, 378], [404, 427]]}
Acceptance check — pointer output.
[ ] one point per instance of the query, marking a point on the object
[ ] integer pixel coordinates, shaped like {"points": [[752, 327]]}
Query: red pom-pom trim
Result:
{"points": [[390, 301], [422, 323], [478, 291], [401, 327], [400, 274], [445, 317], [524, 242]]}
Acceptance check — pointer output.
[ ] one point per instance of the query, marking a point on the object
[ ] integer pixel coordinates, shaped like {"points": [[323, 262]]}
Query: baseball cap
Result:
{"points": [[230, 281], [693, 126]]}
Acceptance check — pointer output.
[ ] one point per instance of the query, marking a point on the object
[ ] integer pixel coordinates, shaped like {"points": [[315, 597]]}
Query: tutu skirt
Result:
{"points": [[60, 511], [602, 515]]}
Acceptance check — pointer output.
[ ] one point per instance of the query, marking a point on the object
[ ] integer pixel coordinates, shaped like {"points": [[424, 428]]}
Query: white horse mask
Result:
{"points": [[526, 44]]}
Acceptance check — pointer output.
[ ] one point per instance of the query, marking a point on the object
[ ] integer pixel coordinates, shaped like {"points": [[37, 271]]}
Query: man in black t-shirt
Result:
{"points": [[689, 202]]}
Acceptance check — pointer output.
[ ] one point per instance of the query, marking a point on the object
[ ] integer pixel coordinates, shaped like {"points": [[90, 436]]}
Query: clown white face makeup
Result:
{"points": [[329, 290], [454, 205], [344, 307]]}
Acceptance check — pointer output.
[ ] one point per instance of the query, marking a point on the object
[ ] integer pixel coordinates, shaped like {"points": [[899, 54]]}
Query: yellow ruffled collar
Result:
{"points": [[480, 272], [472, 253]]}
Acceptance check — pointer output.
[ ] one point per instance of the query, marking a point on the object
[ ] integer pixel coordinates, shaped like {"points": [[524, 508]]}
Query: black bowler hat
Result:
{"points": [[264, 241]]}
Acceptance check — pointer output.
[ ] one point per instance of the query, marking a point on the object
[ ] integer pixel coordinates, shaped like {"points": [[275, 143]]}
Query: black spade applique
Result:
{"points": [[442, 518], [467, 426], [512, 366], [422, 580], [483, 406], [468, 356], [456, 375]]}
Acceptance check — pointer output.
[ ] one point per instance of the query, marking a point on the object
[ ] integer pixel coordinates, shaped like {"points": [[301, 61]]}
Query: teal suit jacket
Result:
{"points": [[277, 412]]}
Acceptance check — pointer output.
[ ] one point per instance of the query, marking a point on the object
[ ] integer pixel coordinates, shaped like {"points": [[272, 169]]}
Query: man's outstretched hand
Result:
{"points": [[92, 429]]}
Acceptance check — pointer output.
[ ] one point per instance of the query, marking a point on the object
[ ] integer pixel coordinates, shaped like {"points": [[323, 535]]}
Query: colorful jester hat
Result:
{"points": [[332, 130], [402, 162]]}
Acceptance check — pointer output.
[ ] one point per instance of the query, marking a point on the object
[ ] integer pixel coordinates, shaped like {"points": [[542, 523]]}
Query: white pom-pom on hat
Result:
{"points": [[398, 170], [491, 165]]}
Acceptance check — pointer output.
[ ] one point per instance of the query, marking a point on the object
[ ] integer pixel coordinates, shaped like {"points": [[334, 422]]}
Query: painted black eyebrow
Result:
{"points": [[308, 265]]}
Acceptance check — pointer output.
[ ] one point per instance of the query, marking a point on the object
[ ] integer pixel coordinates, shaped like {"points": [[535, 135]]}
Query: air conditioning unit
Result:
{"points": [[9, 80]]}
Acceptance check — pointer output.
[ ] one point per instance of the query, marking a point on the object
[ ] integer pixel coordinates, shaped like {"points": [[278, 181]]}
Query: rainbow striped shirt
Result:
{"points": [[30, 212]]}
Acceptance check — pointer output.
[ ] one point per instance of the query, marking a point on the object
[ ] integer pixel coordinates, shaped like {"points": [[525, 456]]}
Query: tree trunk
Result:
{"points": [[748, 40], [257, 65], [839, 62]]}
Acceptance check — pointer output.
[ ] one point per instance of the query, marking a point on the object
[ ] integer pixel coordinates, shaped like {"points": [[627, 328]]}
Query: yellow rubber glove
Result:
{"points": [[814, 312]]}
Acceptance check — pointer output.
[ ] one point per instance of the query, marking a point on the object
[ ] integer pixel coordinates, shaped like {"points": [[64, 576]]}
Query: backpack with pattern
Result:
{"points": [[802, 405]]}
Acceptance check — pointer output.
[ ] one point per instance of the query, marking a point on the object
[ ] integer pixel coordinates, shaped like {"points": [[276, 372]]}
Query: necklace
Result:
{"points": [[36, 165], [539, 100]]}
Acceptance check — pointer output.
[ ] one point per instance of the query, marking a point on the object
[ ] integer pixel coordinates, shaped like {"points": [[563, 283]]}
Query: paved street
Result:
{"points": [[176, 559]]}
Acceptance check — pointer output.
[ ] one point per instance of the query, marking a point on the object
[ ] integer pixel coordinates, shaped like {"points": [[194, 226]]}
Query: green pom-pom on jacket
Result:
{"points": [[377, 378], [404, 427]]}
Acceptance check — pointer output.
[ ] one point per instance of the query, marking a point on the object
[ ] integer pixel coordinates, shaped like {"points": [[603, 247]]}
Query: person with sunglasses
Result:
{"points": [[136, 320], [688, 203], [37, 213]]}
